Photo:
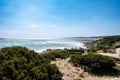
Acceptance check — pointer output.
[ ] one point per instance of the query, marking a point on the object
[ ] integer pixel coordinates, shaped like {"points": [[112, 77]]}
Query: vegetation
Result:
{"points": [[74, 51], [109, 41], [98, 64], [58, 53], [53, 54], [95, 63], [105, 44], [19, 63]]}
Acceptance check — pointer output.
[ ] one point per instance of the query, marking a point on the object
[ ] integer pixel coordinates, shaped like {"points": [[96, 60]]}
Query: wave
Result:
{"points": [[69, 43], [58, 45], [41, 45]]}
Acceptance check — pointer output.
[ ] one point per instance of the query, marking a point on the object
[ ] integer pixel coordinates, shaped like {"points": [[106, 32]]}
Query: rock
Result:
{"points": [[57, 59], [118, 50], [84, 74], [100, 51]]}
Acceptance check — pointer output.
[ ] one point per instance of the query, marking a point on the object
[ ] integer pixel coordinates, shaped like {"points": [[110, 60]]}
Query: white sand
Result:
{"points": [[116, 55], [67, 69], [71, 72]]}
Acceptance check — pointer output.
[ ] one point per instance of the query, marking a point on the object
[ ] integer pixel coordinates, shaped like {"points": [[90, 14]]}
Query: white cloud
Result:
{"points": [[33, 26]]}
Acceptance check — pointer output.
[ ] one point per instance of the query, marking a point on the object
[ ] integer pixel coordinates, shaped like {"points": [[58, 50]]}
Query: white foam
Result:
{"points": [[41, 50], [8, 44], [42, 45], [38, 43], [70, 43]]}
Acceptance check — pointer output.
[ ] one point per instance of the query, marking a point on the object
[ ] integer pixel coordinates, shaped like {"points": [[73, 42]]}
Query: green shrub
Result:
{"points": [[94, 62], [105, 43], [51, 55], [75, 51], [109, 40], [114, 46], [19, 63]]}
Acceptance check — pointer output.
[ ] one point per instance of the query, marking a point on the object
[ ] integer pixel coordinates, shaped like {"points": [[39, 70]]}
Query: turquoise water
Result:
{"points": [[40, 45]]}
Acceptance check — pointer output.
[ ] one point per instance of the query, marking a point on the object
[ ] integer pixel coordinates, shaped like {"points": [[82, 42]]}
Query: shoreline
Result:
{"points": [[40, 45]]}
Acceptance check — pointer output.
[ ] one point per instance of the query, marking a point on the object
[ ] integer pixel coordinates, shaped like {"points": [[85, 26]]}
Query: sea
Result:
{"points": [[40, 45]]}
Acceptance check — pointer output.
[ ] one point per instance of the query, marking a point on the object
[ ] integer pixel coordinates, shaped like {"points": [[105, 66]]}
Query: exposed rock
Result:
{"points": [[84, 74]]}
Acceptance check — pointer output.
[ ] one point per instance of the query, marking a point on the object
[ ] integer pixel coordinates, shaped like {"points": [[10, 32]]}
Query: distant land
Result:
{"points": [[65, 37], [94, 36]]}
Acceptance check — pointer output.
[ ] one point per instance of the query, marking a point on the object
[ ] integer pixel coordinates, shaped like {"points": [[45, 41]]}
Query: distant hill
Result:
{"points": [[96, 36]]}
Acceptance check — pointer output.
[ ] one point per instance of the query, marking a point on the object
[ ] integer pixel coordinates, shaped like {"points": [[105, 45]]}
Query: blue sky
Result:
{"points": [[59, 18]]}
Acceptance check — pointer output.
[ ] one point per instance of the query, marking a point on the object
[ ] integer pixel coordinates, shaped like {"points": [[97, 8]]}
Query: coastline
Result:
{"points": [[40, 45], [73, 64]]}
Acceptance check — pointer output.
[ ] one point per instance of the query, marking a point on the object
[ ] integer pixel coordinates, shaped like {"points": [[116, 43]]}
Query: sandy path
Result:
{"points": [[71, 72], [116, 55], [67, 69], [101, 78]]}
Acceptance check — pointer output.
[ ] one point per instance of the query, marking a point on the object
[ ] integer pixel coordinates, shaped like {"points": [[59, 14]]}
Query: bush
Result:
{"points": [[93, 62], [58, 53], [75, 51], [52, 54], [19, 63], [109, 40], [105, 43], [114, 46]]}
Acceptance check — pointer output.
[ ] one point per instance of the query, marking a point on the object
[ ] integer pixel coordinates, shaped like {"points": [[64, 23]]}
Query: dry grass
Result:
{"points": [[117, 67]]}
